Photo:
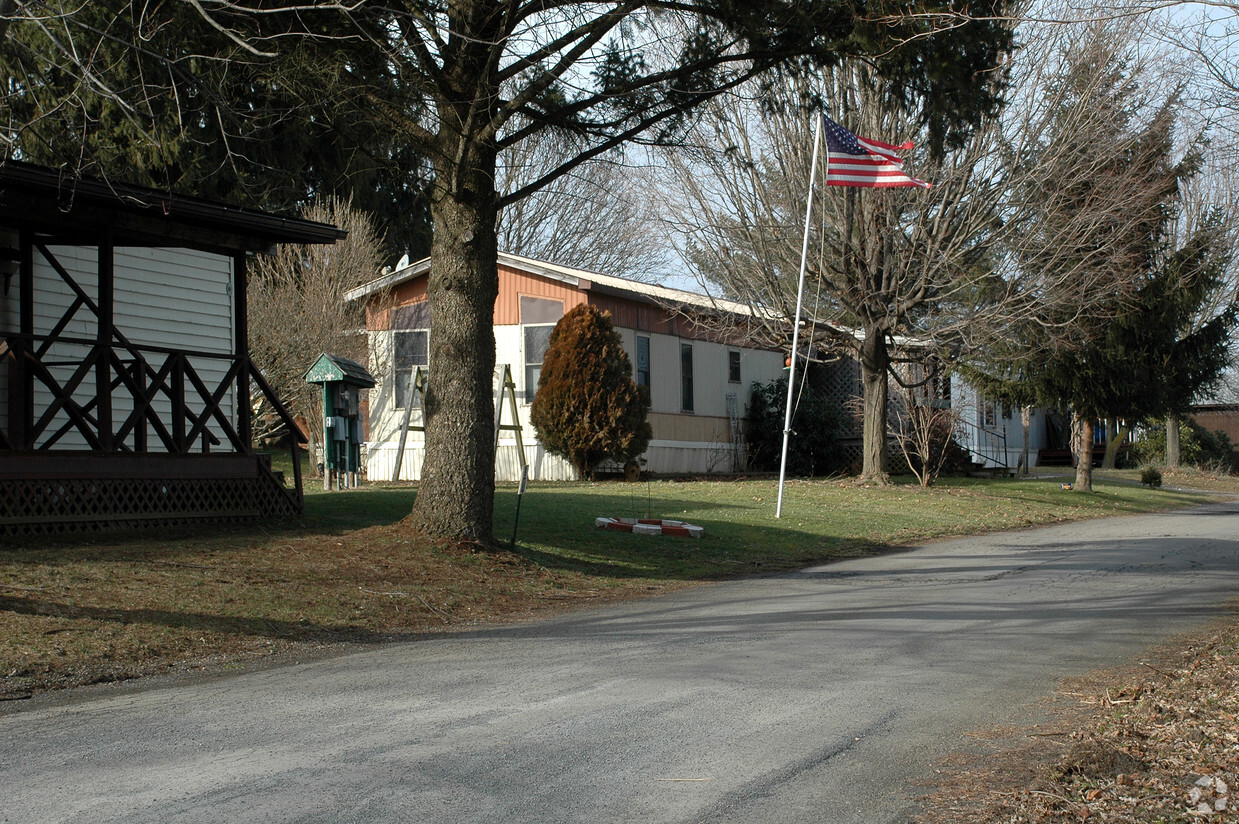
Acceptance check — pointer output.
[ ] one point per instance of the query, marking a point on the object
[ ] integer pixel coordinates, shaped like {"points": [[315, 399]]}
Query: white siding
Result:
{"points": [[664, 373], [967, 403], [175, 298], [711, 388]]}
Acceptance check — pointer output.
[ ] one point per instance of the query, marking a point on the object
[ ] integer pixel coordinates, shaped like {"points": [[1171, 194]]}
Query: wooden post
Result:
{"points": [[104, 334], [22, 423], [177, 378], [240, 303]]}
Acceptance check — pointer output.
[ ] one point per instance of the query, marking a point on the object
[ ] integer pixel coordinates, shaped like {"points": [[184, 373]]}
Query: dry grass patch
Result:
{"points": [[121, 610]]}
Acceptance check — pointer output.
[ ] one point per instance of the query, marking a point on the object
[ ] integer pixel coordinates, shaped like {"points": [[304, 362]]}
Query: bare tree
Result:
{"points": [[596, 217], [297, 311], [960, 265], [925, 429]]}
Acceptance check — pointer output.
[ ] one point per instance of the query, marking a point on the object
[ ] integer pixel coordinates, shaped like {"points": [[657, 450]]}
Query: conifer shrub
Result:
{"points": [[587, 407]]}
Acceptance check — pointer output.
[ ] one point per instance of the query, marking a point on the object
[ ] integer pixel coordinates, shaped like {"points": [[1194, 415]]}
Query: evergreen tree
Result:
{"points": [[1142, 355], [587, 407], [160, 97]]}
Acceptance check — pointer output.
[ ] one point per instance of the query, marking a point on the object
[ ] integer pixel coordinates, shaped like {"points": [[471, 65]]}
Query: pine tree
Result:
{"points": [[587, 407]]}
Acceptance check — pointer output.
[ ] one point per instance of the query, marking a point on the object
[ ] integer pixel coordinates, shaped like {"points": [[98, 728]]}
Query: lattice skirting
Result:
{"points": [[45, 507]]}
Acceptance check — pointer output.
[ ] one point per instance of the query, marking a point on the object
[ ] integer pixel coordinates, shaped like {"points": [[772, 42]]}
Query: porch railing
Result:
{"points": [[131, 398], [987, 447]]}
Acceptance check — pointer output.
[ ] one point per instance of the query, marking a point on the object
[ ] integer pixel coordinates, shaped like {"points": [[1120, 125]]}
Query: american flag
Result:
{"points": [[859, 161]]}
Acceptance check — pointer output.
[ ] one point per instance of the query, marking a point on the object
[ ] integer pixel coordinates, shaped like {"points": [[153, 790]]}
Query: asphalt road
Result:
{"points": [[823, 696]]}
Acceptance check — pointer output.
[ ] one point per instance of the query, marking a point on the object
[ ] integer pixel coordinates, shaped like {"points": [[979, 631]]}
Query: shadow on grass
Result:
{"points": [[556, 531]]}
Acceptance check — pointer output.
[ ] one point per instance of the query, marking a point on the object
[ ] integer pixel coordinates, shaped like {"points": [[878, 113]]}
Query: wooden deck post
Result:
{"points": [[240, 303], [104, 335], [22, 423]]}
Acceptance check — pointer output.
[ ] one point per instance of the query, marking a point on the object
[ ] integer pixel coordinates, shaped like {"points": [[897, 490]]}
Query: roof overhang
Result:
{"points": [[86, 211], [577, 278]]}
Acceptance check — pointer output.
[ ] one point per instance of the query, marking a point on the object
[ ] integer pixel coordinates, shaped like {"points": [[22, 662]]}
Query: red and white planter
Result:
{"points": [[650, 526]]}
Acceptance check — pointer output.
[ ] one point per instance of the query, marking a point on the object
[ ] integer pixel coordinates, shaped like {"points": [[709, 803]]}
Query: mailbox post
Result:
{"points": [[342, 380]]}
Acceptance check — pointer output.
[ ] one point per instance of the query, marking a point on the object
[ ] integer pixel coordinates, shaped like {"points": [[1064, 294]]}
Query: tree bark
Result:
{"points": [[1115, 434], [1084, 455], [455, 499], [874, 361], [1026, 423], [1174, 454]]}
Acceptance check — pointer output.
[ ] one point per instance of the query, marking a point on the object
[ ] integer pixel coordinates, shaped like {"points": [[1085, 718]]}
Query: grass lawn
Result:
{"points": [[352, 571]]}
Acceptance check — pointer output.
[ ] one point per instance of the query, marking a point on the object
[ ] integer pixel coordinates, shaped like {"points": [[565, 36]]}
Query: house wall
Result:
{"points": [[997, 439], [1219, 418], [703, 440], [175, 298]]}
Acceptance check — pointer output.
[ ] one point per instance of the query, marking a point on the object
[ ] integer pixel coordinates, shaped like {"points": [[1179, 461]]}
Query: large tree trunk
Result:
{"points": [[1084, 455], [1174, 455], [1026, 423], [455, 498], [1116, 433], [874, 360]]}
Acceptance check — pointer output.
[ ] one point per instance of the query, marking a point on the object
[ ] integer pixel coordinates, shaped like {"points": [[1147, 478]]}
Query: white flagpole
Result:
{"points": [[804, 262]]}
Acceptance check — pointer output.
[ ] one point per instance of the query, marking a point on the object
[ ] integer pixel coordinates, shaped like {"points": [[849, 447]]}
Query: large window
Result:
{"points": [[686, 377], [537, 338], [643, 361], [410, 349], [538, 318]]}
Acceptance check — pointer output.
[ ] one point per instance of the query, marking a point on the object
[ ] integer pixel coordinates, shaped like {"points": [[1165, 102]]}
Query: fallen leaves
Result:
{"points": [[1161, 748]]}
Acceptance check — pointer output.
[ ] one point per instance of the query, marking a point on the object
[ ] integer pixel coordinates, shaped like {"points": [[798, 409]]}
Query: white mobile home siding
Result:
{"points": [[699, 442], [985, 443]]}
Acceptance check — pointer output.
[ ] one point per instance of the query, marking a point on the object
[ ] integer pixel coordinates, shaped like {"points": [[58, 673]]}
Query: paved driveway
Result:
{"points": [[822, 696]]}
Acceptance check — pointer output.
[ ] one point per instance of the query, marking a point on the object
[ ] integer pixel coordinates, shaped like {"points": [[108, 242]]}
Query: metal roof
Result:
{"points": [[579, 278], [333, 368]]}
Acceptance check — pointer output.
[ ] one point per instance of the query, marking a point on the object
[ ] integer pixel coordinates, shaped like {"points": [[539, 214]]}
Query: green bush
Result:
{"points": [[587, 408], [1151, 476], [813, 448]]}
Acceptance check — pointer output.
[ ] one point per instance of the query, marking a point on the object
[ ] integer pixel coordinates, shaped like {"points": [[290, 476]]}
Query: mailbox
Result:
{"points": [[342, 381]]}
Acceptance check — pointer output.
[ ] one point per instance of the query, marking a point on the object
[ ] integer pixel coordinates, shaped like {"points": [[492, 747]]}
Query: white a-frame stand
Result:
{"points": [[506, 391], [417, 397]]}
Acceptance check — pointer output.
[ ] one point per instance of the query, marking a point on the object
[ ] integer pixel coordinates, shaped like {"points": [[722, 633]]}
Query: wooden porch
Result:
{"points": [[113, 412]]}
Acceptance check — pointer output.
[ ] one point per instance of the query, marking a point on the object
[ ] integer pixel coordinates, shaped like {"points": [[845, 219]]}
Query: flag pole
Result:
{"points": [[804, 262]]}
